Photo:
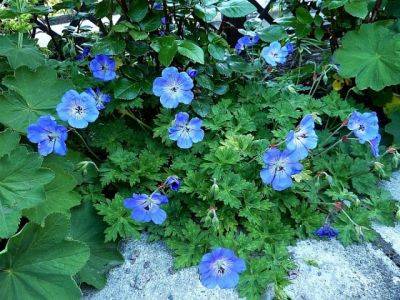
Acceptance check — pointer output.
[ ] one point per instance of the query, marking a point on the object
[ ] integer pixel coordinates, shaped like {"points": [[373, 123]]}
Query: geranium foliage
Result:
{"points": [[225, 128]]}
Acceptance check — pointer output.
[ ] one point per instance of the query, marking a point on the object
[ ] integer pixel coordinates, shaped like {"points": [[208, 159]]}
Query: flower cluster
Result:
{"points": [[280, 166], [174, 87], [366, 128], [146, 208], [77, 109], [221, 267]]}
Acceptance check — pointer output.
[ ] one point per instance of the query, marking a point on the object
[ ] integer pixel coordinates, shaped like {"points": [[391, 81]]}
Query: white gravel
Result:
{"points": [[147, 273]]}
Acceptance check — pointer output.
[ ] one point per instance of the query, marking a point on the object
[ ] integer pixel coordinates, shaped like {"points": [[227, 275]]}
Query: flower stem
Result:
{"points": [[86, 145], [132, 116]]}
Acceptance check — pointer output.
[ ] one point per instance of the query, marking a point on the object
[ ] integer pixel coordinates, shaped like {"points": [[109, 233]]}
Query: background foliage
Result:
{"points": [[60, 217]]}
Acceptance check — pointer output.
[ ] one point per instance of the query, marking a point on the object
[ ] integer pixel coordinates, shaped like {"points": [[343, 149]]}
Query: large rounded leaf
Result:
{"points": [[87, 226], [38, 262], [22, 183], [371, 55], [33, 94]]}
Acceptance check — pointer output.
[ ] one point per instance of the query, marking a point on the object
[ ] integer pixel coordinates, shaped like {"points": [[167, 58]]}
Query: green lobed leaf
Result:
{"points": [[22, 183], [9, 139], [371, 55], [27, 55], [38, 262], [32, 94], [59, 193]]}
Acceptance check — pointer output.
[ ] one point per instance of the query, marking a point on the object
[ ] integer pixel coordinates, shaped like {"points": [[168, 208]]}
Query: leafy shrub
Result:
{"points": [[223, 128]]}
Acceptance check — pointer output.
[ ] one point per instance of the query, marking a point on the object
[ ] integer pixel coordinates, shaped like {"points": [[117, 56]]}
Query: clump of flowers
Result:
{"points": [[221, 267], [173, 87], [77, 109], [49, 136], [103, 67], [186, 132], [246, 41]]}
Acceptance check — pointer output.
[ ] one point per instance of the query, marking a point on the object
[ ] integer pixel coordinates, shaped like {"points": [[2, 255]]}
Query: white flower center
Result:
{"points": [[221, 266], [78, 111]]}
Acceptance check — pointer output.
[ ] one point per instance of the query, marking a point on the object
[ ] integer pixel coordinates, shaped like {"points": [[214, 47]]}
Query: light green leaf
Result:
{"points": [[138, 10], [126, 89], [8, 141], [59, 195], [38, 262], [27, 55], [22, 183], [357, 8], [371, 55], [87, 226], [109, 46], [272, 33], [33, 94], [191, 50], [166, 47], [236, 8]]}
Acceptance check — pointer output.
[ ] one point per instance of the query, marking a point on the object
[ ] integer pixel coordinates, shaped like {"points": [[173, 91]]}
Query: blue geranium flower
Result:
{"points": [[173, 183], [289, 48], [279, 168], [246, 41], [374, 143], [186, 132], [147, 208], [173, 87], [192, 72], [302, 139], [77, 109], [364, 126], [221, 267], [326, 231], [274, 54], [157, 6], [101, 98], [49, 136], [85, 53], [103, 67]]}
